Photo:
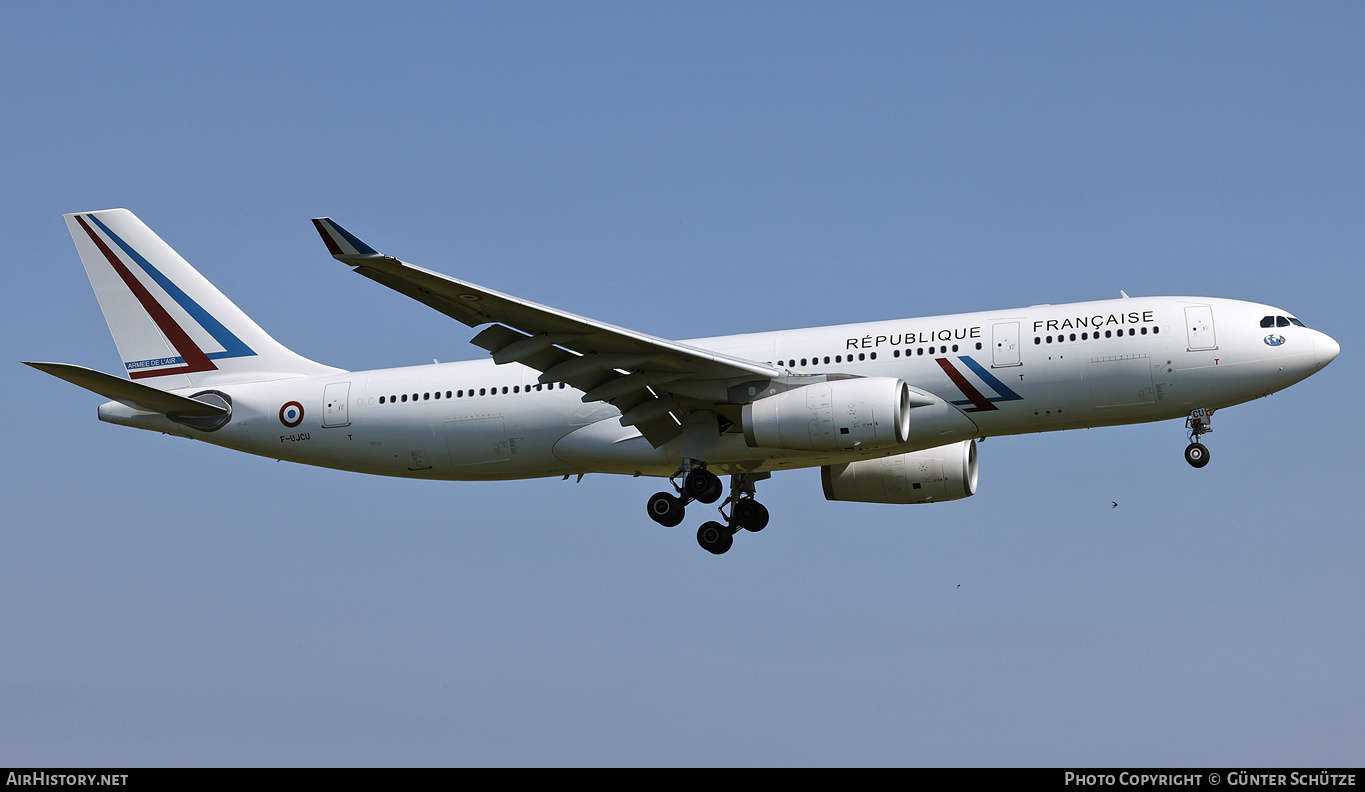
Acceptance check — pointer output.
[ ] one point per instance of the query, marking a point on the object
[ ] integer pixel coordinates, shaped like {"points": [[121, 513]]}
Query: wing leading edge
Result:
{"points": [[651, 380]]}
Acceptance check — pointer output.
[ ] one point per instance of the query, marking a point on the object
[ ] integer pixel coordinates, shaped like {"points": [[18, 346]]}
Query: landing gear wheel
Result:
{"points": [[751, 515], [665, 509], [714, 537], [703, 485], [1197, 455]]}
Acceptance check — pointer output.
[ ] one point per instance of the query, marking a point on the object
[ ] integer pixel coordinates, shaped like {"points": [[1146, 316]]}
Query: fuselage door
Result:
{"points": [[334, 398], [1005, 349], [1199, 326]]}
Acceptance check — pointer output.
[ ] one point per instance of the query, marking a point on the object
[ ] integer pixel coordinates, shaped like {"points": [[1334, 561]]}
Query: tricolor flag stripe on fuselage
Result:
{"points": [[979, 401], [1005, 394]]}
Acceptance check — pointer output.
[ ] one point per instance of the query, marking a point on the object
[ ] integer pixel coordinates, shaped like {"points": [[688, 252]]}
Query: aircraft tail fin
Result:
{"points": [[173, 328]]}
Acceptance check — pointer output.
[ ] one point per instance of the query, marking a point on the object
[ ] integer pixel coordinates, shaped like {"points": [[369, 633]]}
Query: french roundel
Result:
{"points": [[291, 414]]}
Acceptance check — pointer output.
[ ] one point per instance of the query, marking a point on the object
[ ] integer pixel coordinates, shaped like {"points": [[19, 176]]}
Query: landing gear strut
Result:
{"points": [[714, 537], [665, 509], [745, 514], [700, 484], [750, 515], [703, 485], [1198, 424]]}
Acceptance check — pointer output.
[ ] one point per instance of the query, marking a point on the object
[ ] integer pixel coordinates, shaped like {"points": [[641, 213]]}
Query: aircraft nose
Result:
{"points": [[1325, 349]]}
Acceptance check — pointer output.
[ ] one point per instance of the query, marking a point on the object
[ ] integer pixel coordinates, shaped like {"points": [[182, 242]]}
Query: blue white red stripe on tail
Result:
{"points": [[192, 357]]}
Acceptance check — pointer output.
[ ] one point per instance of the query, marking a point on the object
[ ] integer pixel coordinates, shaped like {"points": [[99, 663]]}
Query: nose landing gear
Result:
{"points": [[1198, 423]]}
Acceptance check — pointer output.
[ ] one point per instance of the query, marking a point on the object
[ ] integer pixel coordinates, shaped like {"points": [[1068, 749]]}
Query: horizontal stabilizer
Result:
{"points": [[133, 394]]}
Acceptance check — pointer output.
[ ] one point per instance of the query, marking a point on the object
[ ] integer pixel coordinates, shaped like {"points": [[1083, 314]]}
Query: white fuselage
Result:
{"points": [[1036, 369]]}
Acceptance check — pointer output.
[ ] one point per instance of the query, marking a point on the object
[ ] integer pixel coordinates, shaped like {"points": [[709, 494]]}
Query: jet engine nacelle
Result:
{"points": [[866, 412], [934, 474]]}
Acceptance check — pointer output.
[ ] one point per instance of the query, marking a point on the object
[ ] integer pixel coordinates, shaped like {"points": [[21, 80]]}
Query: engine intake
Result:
{"points": [[867, 412], [934, 474]]}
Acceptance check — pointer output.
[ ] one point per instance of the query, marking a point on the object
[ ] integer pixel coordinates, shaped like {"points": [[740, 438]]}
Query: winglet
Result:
{"points": [[342, 244]]}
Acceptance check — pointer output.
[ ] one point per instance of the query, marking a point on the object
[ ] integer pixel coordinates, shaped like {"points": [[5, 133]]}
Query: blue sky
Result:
{"points": [[686, 170]]}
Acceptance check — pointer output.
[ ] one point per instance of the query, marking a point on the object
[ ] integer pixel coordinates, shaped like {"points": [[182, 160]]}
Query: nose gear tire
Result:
{"points": [[1197, 455]]}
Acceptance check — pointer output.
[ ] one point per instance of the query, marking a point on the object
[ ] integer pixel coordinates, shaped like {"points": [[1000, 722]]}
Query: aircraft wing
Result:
{"points": [[647, 378]]}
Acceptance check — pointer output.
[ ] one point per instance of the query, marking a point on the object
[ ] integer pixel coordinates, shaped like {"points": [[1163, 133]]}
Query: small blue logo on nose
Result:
{"points": [[1273, 340]]}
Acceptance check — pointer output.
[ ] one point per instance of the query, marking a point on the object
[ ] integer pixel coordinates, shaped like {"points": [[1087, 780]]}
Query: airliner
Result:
{"points": [[889, 411]]}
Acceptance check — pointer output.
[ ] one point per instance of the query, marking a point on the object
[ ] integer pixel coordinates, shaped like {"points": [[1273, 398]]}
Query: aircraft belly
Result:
{"points": [[608, 447], [505, 439], [1226, 382]]}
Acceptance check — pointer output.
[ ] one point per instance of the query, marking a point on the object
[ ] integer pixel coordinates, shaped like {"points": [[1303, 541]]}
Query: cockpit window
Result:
{"points": [[1280, 321], [1297, 322], [1267, 321]]}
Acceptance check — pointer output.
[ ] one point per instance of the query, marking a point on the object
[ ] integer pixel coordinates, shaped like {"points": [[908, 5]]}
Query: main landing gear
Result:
{"points": [[1199, 423], [700, 484]]}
